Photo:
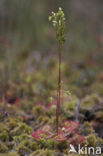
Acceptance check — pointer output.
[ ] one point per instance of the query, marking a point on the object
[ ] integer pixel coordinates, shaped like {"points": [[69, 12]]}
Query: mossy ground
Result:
{"points": [[26, 107]]}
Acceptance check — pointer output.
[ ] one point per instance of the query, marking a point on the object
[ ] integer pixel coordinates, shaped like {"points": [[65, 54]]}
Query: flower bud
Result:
{"points": [[50, 18]]}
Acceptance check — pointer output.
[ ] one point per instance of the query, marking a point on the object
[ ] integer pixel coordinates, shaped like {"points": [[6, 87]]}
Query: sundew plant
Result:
{"points": [[58, 22]]}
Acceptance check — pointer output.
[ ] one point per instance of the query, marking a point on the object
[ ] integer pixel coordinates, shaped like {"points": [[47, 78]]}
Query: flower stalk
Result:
{"points": [[58, 21]]}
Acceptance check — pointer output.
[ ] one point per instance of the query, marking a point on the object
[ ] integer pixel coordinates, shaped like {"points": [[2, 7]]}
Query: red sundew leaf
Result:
{"points": [[71, 126], [60, 136], [41, 133], [67, 124], [74, 125], [77, 139], [37, 134], [46, 128]]}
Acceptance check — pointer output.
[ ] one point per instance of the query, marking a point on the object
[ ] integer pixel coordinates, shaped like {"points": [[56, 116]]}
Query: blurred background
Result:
{"points": [[27, 40]]}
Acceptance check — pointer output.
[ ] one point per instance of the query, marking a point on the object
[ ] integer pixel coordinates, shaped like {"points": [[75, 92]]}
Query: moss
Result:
{"points": [[75, 155], [24, 104], [13, 154], [53, 120], [62, 145], [44, 153], [75, 90], [42, 143], [43, 119], [37, 110], [99, 142], [75, 77], [30, 144], [21, 128], [66, 153], [86, 129], [51, 111], [70, 103], [50, 144], [3, 147], [4, 136], [2, 126], [97, 88], [10, 145], [27, 143], [23, 150], [33, 146], [89, 101], [99, 115], [20, 138], [12, 123], [91, 140]]}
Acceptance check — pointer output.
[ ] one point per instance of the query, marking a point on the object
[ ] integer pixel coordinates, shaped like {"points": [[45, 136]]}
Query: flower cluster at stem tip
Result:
{"points": [[58, 20]]}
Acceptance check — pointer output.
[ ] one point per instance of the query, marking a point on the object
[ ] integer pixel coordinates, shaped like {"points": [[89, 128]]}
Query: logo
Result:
{"points": [[85, 150], [72, 150]]}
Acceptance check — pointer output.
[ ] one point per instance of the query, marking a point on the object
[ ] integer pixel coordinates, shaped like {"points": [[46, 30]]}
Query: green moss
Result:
{"points": [[43, 119], [86, 129], [42, 143], [3, 147], [44, 153], [100, 142], [70, 103], [75, 76], [89, 101], [91, 140], [10, 145], [13, 154], [53, 120], [99, 115], [37, 110], [75, 90], [23, 150], [62, 145], [25, 141], [12, 123], [20, 138], [4, 136], [50, 144], [21, 128], [97, 88], [2, 126], [33, 145]]}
